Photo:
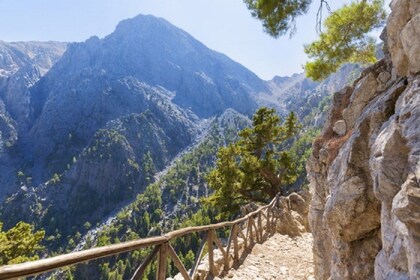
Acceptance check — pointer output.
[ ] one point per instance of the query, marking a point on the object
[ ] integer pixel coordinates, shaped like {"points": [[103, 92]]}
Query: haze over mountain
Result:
{"points": [[83, 124]]}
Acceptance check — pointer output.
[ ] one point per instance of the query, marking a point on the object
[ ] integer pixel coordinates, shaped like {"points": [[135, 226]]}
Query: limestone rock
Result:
{"points": [[323, 155], [364, 213], [298, 204], [398, 18], [411, 47], [248, 208], [395, 170], [389, 162], [292, 213], [384, 77], [340, 127], [367, 189], [403, 29], [22, 64], [364, 91]]}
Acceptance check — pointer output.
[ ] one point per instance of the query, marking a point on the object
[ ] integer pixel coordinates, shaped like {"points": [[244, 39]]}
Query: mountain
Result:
{"points": [[22, 64], [85, 127], [106, 109], [99, 80], [300, 94]]}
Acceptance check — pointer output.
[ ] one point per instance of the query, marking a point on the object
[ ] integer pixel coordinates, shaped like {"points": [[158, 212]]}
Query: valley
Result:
{"points": [[111, 139]]}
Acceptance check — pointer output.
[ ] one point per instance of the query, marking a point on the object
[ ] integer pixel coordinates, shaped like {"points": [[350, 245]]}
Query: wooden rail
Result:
{"points": [[247, 228]]}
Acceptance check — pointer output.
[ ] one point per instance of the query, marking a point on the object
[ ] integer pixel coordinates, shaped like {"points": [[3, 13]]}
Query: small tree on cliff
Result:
{"points": [[19, 244], [256, 167], [344, 40]]}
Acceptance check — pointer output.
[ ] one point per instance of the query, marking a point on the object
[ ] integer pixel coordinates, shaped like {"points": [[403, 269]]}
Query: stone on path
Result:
{"points": [[280, 257]]}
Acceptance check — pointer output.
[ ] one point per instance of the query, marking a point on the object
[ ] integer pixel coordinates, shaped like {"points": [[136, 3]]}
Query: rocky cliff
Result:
{"points": [[22, 64], [365, 167], [146, 62], [78, 120]]}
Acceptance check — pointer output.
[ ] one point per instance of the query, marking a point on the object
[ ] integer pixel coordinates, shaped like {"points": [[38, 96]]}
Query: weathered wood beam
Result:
{"points": [[198, 256], [229, 243], [254, 224], [243, 237], [235, 243], [220, 246], [177, 262], [162, 262], [260, 227], [140, 270], [212, 267]]}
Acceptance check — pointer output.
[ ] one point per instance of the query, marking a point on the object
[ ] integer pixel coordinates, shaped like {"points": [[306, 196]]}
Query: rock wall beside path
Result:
{"points": [[365, 167]]}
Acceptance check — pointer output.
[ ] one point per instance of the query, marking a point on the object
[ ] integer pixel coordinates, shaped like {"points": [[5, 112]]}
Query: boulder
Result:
{"points": [[340, 127]]}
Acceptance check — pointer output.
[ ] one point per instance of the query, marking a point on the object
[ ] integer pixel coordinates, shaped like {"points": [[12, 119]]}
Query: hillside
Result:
{"points": [[91, 129], [22, 64]]}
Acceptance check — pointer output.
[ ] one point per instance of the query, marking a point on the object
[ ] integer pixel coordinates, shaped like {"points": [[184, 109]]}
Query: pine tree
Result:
{"points": [[344, 40], [256, 167], [19, 244], [278, 16]]}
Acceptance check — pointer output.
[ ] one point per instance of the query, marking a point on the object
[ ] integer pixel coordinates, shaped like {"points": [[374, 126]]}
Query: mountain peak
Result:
{"points": [[143, 20], [149, 26], [155, 52]]}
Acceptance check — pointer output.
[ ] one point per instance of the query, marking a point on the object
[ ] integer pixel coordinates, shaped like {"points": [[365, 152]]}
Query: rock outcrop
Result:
{"points": [[365, 167], [293, 214], [22, 64]]}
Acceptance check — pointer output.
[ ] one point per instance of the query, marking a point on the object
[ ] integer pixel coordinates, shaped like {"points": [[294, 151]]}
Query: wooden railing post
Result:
{"points": [[229, 244], [233, 237], [235, 243], [162, 262], [273, 223], [256, 231], [224, 253], [264, 229], [244, 237], [260, 228], [253, 233], [212, 268], [178, 262], [249, 231], [198, 256], [140, 270]]}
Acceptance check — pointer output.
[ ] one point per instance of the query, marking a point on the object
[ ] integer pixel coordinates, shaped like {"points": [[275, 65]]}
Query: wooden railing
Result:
{"points": [[254, 227]]}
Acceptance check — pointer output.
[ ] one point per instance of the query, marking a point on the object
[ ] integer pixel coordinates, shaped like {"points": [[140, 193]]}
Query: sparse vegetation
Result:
{"points": [[20, 244]]}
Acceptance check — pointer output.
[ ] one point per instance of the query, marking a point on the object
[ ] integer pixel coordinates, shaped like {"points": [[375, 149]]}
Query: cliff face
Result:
{"points": [[22, 64], [365, 167]]}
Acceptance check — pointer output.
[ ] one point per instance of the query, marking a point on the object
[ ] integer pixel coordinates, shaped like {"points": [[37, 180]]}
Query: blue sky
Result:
{"points": [[222, 25]]}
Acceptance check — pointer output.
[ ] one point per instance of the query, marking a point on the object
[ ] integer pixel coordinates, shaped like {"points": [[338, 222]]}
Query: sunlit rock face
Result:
{"points": [[22, 64], [78, 126], [365, 167]]}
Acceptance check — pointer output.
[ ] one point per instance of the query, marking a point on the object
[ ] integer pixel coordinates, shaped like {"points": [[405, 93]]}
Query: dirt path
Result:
{"points": [[280, 257]]}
